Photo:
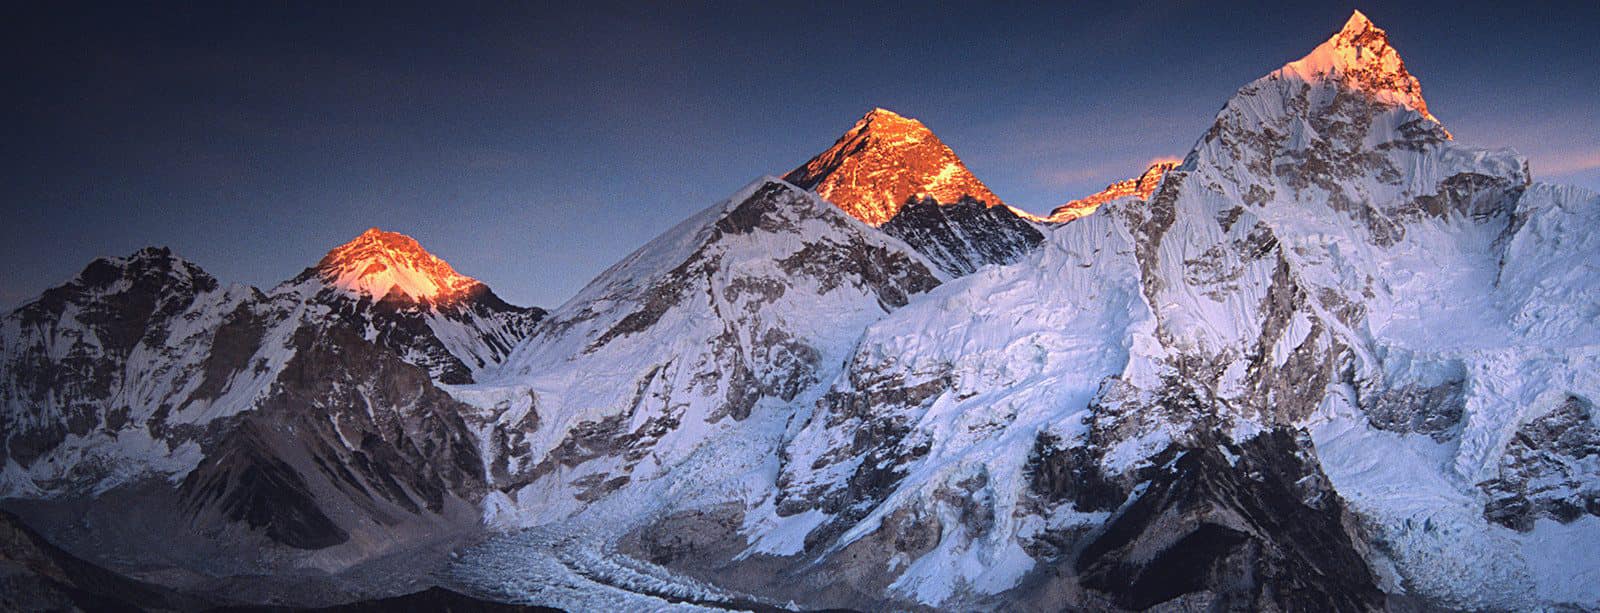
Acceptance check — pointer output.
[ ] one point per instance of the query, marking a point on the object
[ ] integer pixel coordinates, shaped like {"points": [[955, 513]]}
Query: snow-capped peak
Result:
{"points": [[883, 160], [1360, 55], [379, 263]]}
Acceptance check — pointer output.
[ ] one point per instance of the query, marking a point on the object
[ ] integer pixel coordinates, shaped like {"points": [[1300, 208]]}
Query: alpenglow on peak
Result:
{"points": [[378, 263], [1141, 187], [1359, 54], [884, 160]]}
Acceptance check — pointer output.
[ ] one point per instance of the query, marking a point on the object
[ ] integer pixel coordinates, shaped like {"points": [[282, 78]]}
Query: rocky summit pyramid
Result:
{"points": [[406, 299], [891, 172], [381, 264], [1360, 58], [884, 161], [1332, 360]]}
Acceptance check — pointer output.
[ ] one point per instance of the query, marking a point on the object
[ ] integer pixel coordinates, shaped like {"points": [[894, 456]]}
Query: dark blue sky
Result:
{"points": [[534, 146]]}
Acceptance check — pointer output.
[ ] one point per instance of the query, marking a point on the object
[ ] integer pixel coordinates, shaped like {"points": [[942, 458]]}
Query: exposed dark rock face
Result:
{"points": [[236, 343], [1059, 473], [124, 300], [67, 360], [604, 438], [150, 346], [890, 275], [1207, 523], [1251, 526], [964, 236], [1549, 469], [869, 417], [247, 483], [316, 435], [1432, 410], [405, 327], [371, 439]]}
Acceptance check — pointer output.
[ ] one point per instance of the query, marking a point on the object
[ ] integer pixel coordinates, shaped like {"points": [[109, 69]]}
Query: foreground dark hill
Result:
{"points": [[38, 576]]}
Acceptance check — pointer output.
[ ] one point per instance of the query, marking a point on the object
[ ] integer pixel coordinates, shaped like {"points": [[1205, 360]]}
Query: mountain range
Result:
{"points": [[1332, 359]]}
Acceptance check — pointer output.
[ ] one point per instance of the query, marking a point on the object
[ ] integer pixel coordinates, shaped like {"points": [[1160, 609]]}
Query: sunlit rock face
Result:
{"points": [[1360, 58], [406, 299], [1139, 187], [378, 263], [892, 172], [883, 161]]}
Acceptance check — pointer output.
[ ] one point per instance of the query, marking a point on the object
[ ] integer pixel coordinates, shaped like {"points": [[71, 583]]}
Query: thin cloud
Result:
{"points": [[1103, 173], [1070, 177], [1566, 164]]}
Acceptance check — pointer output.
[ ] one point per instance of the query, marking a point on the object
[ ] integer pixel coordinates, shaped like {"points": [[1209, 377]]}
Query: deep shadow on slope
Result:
{"points": [[1253, 524], [38, 576]]}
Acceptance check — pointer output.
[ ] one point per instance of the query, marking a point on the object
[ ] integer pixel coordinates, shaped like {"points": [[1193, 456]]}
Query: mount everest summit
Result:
{"points": [[1331, 360]]}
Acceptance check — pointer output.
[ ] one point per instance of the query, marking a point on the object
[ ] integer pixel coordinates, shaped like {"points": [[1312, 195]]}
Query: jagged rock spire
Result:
{"points": [[1359, 54]]}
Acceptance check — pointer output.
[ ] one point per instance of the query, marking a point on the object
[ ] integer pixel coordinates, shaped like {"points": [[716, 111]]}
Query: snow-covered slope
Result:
{"points": [[1328, 257], [715, 327], [118, 372], [1333, 355], [1332, 360]]}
